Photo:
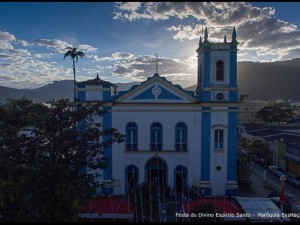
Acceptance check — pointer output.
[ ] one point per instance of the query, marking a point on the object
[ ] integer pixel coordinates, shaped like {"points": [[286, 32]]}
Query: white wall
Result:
{"points": [[219, 119], [144, 117]]}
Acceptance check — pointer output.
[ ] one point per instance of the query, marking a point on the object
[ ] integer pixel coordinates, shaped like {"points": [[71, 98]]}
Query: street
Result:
{"points": [[275, 181]]}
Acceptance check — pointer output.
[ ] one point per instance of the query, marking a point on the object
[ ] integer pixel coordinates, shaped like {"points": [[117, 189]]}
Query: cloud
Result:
{"points": [[87, 48], [29, 73], [121, 55], [185, 32], [22, 43], [58, 45], [29, 66], [214, 13], [7, 37], [115, 56], [257, 28], [24, 68], [5, 56], [138, 68], [6, 78], [14, 54], [131, 6], [43, 56], [5, 40]]}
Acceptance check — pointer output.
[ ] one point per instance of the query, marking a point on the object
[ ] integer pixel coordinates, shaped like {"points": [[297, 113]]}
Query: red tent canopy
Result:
{"points": [[222, 205], [107, 207]]}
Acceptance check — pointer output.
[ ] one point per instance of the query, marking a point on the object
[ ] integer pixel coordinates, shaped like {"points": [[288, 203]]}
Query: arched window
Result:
{"points": [[220, 70], [156, 137], [181, 137], [131, 177], [131, 136], [219, 139]]}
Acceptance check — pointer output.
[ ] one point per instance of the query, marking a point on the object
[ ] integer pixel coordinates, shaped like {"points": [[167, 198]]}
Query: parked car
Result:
{"points": [[293, 179], [276, 170]]}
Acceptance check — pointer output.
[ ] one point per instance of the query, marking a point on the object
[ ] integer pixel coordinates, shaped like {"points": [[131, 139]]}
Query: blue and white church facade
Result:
{"points": [[174, 138]]}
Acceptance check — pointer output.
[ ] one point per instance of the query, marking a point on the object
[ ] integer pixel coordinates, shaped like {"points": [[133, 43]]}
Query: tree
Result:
{"points": [[275, 114], [257, 148], [74, 53], [244, 167], [45, 177]]}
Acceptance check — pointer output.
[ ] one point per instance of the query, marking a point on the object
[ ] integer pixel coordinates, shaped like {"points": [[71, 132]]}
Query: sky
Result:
{"points": [[120, 40]]}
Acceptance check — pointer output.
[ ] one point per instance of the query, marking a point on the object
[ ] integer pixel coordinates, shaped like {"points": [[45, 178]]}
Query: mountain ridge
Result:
{"points": [[259, 80]]}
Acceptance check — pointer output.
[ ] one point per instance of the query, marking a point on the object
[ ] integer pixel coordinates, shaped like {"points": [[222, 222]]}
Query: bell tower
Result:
{"points": [[217, 70], [217, 90]]}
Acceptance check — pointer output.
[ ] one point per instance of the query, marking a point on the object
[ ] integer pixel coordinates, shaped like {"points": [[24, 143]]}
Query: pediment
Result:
{"points": [[156, 90]]}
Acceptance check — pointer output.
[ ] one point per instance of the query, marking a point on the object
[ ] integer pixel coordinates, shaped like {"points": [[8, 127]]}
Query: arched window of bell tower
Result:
{"points": [[220, 70]]}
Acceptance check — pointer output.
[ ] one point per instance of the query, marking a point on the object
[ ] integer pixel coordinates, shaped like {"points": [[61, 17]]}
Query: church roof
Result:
{"points": [[97, 81], [167, 90]]}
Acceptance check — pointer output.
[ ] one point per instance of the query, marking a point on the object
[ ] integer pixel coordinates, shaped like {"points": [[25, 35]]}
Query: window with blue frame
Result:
{"points": [[156, 137], [131, 137], [219, 139], [181, 137]]}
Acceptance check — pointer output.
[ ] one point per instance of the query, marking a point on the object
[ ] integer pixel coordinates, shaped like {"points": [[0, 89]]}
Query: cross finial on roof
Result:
{"points": [[156, 66]]}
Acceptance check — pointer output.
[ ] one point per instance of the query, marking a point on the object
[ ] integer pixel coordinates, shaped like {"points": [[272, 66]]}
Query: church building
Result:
{"points": [[174, 138]]}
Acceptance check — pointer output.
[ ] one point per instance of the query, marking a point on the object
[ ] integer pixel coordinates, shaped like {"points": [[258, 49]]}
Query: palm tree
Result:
{"points": [[73, 53]]}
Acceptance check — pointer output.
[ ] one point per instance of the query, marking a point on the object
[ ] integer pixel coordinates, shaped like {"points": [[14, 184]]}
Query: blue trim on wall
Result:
{"points": [[233, 67], [106, 95], [232, 146], [206, 96], [232, 192], [207, 191], [199, 81], [80, 85], [81, 96], [165, 94], [145, 95], [206, 69], [233, 96], [107, 172], [205, 146]]}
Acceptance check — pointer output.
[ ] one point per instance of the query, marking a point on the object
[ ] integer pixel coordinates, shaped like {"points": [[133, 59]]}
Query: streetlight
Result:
{"points": [[281, 195]]}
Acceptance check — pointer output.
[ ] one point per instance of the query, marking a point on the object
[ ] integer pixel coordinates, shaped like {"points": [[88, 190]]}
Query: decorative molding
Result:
{"points": [[156, 91]]}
